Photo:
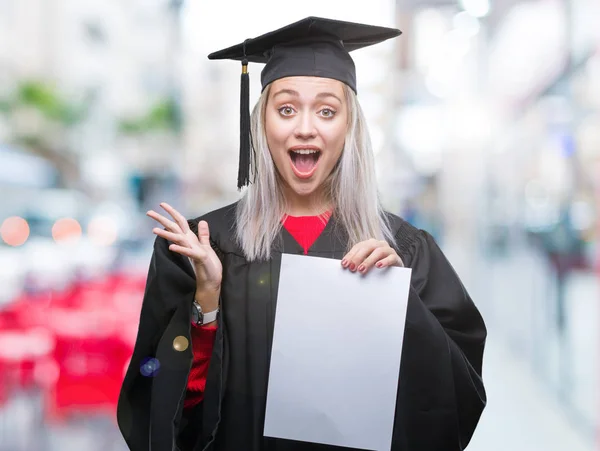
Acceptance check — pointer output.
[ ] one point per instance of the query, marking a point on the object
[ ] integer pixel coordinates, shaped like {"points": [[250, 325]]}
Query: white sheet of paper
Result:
{"points": [[336, 353]]}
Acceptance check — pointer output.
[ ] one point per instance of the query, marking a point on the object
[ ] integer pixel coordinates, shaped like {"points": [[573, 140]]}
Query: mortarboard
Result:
{"points": [[310, 47]]}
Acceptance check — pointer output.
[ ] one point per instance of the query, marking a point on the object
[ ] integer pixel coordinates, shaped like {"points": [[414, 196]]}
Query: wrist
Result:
{"points": [[200, 317], [208, 298]]}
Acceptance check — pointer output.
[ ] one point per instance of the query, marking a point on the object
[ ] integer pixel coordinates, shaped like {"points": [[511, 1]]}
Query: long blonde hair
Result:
{"points": [[351, 188]]}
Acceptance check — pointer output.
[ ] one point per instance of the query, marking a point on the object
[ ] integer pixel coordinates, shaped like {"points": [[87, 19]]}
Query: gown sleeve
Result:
{"points": [[440, 289], [169, 283]]}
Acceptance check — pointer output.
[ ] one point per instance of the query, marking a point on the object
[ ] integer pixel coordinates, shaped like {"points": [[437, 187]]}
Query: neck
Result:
{"points": [[311, 205]]}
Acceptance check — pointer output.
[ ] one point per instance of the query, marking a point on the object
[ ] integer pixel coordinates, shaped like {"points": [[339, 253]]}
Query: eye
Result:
{"points": [[286, 110], [327, 112]]}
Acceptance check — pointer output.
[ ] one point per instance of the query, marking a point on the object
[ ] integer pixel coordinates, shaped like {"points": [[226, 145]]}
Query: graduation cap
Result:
{"points": [[310, 47]]}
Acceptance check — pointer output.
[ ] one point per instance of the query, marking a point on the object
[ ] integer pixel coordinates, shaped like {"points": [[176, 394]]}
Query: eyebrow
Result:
{"points": [[321, 95]]}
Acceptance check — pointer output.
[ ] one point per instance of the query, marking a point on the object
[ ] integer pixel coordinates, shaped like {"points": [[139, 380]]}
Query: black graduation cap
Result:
{"points": [[310, 47]]}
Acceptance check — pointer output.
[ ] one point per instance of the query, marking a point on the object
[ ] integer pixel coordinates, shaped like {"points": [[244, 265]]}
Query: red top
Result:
{"points": [[305, 230], [203, 338]]}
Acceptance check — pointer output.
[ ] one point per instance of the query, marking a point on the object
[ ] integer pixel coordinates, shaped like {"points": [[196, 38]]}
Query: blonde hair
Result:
{"points": [[351, 188]]}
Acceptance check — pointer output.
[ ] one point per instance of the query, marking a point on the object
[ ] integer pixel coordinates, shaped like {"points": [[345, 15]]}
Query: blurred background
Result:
{"points": [[485, 117]]}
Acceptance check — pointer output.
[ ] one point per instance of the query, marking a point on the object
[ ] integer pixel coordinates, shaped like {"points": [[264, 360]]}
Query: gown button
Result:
{"points": [[180, 343]]}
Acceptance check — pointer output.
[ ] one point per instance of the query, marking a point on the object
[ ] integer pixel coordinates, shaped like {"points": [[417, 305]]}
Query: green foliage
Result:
{"points": [[4, 106], [43, 97], [31, 141], [161, 117]]}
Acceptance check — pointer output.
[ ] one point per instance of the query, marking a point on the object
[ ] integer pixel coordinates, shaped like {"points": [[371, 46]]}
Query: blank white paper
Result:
{"points": [[336, 353]]}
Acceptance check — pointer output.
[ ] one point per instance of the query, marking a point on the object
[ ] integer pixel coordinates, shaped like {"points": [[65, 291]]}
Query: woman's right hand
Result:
{"points": [[209, 271]]}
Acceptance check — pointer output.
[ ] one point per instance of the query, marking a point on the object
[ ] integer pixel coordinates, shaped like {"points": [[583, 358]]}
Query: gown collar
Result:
{"points": [[330, 242]]}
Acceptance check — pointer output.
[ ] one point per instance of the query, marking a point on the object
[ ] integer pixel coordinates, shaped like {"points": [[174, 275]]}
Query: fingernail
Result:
{"points": [[344, 263], [361, 268], [379, 264], [352, 267]]}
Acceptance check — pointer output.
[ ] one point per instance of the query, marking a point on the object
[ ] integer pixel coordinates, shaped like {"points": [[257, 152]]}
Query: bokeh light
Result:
{"points": [[149, 367], [14, 231], [102, 231], [66, 229]]}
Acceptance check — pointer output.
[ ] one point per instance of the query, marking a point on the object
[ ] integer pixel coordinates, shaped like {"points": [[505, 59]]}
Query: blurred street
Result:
{"points": [[521, 415], [543, 392]]}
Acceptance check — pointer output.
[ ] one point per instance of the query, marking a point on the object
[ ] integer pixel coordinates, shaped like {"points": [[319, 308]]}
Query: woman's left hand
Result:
{"points": [[371, 252]]}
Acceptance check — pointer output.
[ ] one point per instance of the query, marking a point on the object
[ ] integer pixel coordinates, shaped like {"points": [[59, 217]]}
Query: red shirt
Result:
{"points": [[305, 230]]}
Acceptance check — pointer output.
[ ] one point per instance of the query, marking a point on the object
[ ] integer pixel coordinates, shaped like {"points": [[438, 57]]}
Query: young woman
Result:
{"points": [[213, 280]]}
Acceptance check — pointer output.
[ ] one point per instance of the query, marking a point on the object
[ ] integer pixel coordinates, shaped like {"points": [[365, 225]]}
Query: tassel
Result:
{"points": [[244, 163]]}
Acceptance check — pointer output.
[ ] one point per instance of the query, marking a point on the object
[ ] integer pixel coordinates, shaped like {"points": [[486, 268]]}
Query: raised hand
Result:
{"points": [[208, 268]]}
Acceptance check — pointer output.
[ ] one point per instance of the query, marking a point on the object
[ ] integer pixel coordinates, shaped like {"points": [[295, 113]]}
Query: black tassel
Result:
{"points": [[244, 165]]}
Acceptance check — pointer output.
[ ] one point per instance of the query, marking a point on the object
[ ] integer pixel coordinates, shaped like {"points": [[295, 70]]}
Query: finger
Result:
{"points": [[362, 253], [184, 251], [169, 236], [178, 217], [349, 257], [203, 233], [167, 223], [197, 255], [377, 255], [390, 260]]}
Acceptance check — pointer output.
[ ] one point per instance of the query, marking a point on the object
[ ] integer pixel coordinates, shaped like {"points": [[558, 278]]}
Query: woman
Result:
{"points": [[314, 193]]}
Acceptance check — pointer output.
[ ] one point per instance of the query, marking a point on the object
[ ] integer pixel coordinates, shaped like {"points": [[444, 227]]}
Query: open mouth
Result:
{"points": [[305, 161]]}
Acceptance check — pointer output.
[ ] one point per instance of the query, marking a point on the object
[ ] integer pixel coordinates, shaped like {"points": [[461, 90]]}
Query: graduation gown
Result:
{"points": [[440, 390]]}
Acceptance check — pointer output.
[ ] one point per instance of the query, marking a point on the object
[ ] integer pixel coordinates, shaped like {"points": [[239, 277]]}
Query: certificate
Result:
{"points": [[335, 360]]}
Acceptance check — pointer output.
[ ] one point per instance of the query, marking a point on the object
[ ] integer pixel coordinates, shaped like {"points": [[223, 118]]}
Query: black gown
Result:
{"points": [[440, 394]]}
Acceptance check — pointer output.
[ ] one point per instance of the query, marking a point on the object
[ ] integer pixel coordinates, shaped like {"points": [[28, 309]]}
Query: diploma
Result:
{"points": [[337, 346]]}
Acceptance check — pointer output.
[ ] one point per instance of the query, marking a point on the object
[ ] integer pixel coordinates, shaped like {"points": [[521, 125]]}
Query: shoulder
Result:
{"points": [[408, 238], [221, 224], [220, 219], [417, 247], [420, 251]]}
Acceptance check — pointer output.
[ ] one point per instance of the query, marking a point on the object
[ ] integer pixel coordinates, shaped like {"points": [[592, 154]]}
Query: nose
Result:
{"points": [[305, 127]]}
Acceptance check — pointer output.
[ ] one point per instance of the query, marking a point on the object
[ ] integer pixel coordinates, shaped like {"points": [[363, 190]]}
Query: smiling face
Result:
{"points": [[306, 121]]}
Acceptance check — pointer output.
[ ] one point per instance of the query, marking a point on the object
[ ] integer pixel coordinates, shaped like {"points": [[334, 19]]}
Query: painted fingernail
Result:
{"points": [[361, 268], [352, 266], [379, 264]]}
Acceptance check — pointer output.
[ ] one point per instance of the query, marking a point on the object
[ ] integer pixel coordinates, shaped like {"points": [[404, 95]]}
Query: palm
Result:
{"points": [[208, 267]]}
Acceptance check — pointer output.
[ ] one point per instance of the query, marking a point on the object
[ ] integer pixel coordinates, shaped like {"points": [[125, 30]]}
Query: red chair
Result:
{"points": [[21, 349], [92, 348], [76, 346]]}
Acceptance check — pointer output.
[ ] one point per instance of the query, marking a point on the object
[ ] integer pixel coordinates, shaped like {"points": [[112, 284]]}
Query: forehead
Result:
{"points": [[308, 86]]}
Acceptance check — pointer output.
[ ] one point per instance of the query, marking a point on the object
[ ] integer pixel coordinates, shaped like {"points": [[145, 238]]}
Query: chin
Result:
{"points": [[303, 188], [303, 191]]}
